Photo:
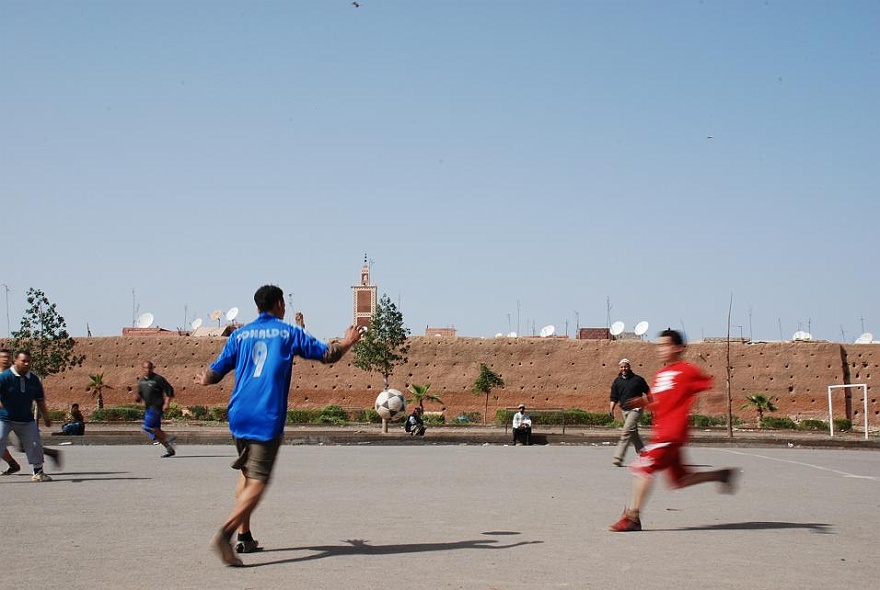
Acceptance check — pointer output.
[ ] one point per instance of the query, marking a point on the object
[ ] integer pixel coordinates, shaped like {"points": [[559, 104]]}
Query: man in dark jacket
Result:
{"points": [[627, 386]]}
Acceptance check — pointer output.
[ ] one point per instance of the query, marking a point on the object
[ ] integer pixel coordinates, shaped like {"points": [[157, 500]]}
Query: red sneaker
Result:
{"points": [[626, 524]]}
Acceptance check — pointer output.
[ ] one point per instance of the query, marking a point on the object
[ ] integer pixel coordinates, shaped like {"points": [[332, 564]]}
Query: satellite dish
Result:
{"points": [[196, 324], [511, 335], [145, 320], [802, 336], [548, 331], [215, 315], [231, 314], [617, 328], [642, 327], [499, 335], [866, 338]]}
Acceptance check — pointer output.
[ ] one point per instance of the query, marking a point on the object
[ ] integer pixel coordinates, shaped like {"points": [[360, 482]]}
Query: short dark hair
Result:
{"points": [[674, 335], [6, 350], [267, 296]]}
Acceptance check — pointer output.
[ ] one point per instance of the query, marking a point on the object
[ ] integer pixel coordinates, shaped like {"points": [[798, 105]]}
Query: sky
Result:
{"points": [[503, 165]]}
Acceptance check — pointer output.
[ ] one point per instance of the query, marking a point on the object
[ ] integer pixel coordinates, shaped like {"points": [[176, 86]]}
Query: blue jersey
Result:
{"points": [[262, 355], [18, 394]]}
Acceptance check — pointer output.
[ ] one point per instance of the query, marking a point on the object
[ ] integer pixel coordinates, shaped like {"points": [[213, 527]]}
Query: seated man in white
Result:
{"points": [[522, 427]]}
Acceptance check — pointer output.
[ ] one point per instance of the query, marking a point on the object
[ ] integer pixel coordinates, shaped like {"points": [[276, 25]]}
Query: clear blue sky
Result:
{"points": [[505, 164]]}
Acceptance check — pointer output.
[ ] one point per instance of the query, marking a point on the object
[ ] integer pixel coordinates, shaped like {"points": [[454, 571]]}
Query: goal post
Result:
{"points": [[864, 388]]}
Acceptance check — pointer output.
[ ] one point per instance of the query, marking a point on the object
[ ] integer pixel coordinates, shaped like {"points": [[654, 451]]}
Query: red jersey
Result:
{"points": [[673, 392]]}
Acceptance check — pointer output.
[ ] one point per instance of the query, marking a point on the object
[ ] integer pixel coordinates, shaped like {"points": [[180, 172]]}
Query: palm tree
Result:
{"points": [[97, 387], [760, 403], [485, 383], [420, 393]]}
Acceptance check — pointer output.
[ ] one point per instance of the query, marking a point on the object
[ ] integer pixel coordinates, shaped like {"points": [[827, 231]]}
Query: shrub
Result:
{"points": [[118, 414], [333, 415], [469, 417], [57, 415], [175, 412], [701, 421], [572, 417], [198, 412], [778, 423], [217, 413], [367, 415], [434, 418], [303, 415], [842, 424], [813, 425]]}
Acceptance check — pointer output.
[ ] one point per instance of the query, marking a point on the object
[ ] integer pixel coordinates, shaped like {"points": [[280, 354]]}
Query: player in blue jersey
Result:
{"points": [[261, 353]]}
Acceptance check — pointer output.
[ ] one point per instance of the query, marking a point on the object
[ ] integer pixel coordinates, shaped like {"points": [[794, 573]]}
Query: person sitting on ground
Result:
{"points": [[414, 424], [522, 427], [74, 422]]}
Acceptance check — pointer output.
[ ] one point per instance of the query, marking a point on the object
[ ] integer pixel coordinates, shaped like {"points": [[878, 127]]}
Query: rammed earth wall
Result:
{"points": [[538, 372]]}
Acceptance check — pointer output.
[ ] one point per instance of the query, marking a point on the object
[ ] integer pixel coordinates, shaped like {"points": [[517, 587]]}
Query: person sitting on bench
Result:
{"points": [[74, 423], [522, 427], [414, 424]]}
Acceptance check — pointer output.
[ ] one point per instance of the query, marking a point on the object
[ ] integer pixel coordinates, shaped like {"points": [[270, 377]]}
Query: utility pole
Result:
{"points": [[9, 334]]}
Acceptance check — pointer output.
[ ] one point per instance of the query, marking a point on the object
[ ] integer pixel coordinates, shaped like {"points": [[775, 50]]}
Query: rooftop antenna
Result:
{"points": [[779, 321], [8, 333], [517, 315], [145, 320], [134, 309], [608, 307]]}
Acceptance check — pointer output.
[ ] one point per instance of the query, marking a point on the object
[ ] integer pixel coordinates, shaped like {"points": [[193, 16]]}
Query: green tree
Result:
{"points": [[420, 393], [485, 383], [384, 346], [43, 333], [760, 403], [97, 387]]}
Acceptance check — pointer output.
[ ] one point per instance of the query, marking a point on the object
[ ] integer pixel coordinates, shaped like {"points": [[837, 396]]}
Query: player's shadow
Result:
{"points": [[75, 477], [816, 527], [361, 547], [225, 456]]}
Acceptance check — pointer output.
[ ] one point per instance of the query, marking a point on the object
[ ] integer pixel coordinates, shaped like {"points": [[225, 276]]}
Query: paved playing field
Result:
{"points": [[470, 517]]}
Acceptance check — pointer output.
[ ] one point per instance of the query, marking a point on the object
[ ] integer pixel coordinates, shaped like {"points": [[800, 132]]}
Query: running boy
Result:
{"points": [[672, 395]]}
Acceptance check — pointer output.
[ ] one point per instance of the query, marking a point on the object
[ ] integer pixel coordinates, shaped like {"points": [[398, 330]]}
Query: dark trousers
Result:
{"points": [[523, 435]]}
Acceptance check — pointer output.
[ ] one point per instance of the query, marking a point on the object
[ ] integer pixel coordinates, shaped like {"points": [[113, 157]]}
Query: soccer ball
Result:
{"points": [[390, 404]]}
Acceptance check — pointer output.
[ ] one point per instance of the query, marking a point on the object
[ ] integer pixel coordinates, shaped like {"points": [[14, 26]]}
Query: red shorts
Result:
{"points": [[661, 457]]}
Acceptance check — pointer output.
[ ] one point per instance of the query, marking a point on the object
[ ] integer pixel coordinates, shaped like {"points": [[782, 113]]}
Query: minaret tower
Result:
{"points": [[364, 297]]}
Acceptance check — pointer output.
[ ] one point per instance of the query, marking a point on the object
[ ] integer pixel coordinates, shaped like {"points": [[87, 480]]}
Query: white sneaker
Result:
{"points": [[41, 477]]}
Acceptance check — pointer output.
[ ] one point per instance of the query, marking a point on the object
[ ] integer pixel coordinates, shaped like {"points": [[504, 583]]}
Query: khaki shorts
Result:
{"points": [[256, 458]]}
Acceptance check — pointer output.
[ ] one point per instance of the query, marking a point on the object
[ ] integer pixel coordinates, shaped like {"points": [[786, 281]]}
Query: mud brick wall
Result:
{"points": [[551, 372]]}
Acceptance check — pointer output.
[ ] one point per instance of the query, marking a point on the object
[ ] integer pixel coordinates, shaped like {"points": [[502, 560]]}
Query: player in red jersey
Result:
{"points": [[672, 396]]}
